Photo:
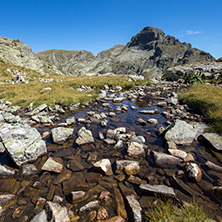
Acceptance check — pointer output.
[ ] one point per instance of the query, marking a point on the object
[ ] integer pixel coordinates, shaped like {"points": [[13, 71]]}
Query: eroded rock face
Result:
{"points": [[181, 133], [23, 143]]}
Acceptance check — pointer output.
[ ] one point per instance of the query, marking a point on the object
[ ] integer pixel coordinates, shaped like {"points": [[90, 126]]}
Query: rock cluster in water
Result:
{"points": [[104, 164]]}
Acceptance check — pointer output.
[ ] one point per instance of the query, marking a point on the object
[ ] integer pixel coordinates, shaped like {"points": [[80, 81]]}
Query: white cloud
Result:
{"points": [[190, 32]]}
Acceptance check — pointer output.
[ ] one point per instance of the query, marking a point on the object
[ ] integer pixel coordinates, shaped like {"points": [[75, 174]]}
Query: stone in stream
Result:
{"points": [[6, 172], [141, 121], [194, 173], [134, 207], [135, 149], [217, 191], [23, 143], [102, 214], [181, 133], [157, 189], [211, 140], [28, 169], [104, 165], [79, 196], [110, 141], [52, 166], [70, 120], [6, 198], [178, 153], [39, 109], [84, 136], [121, 164], [137, 139], [40, 217], [213, 166], [163, 158], [57, 212], [89, 206], [118, 145], [147, 112], [61, 134], [152, 121]]}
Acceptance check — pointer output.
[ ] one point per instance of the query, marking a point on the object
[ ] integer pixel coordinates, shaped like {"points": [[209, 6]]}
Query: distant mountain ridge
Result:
{"points": [[149, 53]]}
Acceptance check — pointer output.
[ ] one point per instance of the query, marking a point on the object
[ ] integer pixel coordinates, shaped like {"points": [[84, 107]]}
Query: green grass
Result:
{"points": [[168, 212], [63, 88], [206, 100]]}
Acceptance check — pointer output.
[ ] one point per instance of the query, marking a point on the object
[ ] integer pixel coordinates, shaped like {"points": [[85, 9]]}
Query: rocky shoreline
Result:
{"points": [[107, 160]]}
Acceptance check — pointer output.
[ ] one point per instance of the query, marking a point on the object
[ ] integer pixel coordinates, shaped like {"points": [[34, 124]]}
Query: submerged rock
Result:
{"points": [[6, 198], [89, 206], [28, 169], [157, 189], [163, 158], [181, 133], [23, 143], [78, 196], [6, 172], [61, 134], [84, 136]]}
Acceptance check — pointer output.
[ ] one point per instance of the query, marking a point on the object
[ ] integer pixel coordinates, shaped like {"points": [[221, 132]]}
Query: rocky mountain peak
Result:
{"points": [[144, 37]]}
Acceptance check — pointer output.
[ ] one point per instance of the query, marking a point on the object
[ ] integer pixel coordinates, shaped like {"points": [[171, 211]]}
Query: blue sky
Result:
{"points": [[96, 25]]}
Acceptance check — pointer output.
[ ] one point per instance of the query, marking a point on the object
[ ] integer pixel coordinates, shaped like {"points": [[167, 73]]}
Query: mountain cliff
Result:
{"points": [[149, 53]]}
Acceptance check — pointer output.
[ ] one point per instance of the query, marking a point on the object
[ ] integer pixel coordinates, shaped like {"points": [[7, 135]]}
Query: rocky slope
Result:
{"points": [[20, 54], [149, 53]]}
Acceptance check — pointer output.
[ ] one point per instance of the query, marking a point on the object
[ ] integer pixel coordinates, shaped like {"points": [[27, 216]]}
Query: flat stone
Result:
{"points": [[212, 139], [193, 172], [104, 165], [110, 141], [135, 149], [178, 153], [39, 108], [135, 208], [22, 142], [40, 217], [57, 212], [181, 133], [120, 205], [213, 166], [89, 206], [163, 158], [79, 196], [6, 172], [157, 189], [6, 198], [52, 166], [84, 137], [147, 112], [61, 134]]}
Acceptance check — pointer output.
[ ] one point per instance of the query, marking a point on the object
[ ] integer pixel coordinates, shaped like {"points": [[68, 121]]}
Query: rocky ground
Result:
{"points": [[110, 160]]}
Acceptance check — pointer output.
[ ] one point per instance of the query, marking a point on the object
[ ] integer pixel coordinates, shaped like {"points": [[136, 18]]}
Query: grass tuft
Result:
{"points": [[207, 100], [167, 212]]}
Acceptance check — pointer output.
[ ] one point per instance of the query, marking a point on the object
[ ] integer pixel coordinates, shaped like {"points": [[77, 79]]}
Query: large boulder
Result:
{"points": [[181, 133], [23, 143]]}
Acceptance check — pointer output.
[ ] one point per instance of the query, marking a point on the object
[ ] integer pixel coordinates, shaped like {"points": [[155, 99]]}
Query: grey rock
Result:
{"points": [[89, 206], [61, 134], [23, 143], [84, 136], [78, 196], [163, 158], [118, 145], [157, 189], [178, 153], [135, 149], [147, 112], [57, 212], [134, 207], [70, 120], [181, 133], [141, 121], [39, 109], [138, 139], [10, 118], [212, 139], [52, 166], [152, 121], [2, 148], [40, 217], [6, 172]]}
